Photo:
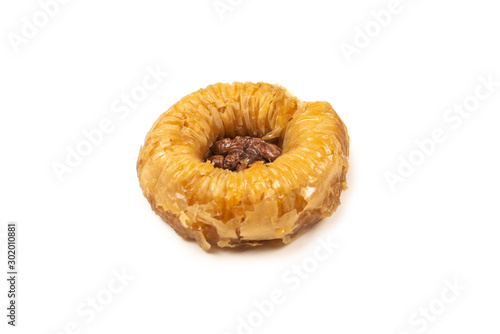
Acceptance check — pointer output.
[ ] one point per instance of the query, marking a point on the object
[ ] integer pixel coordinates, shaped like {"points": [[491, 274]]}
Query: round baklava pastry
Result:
{"points": [[244, 164]]}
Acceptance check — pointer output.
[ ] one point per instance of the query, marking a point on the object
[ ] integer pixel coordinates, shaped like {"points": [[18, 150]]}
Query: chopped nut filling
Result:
{"points": [[239, 153]]}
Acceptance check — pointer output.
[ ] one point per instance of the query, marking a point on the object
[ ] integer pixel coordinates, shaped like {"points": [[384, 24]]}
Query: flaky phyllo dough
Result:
{"points": [[266, 202]]}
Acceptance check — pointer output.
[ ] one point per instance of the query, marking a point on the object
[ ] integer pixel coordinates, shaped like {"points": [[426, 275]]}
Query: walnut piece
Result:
{"points": [[240, 152]]}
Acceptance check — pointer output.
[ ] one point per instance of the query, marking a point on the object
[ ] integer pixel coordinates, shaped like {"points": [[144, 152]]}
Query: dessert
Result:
{"points": [[244, 164]]}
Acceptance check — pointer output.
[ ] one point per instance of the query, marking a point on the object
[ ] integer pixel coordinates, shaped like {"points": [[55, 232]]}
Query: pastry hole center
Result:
{"points": [[239, 153]]}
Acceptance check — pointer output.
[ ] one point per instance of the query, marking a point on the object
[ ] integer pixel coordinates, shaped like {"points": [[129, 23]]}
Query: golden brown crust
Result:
{"points": [[273, 201]]}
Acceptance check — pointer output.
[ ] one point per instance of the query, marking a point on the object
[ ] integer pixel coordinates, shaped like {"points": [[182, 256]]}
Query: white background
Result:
{"points": [[397, 248]]}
